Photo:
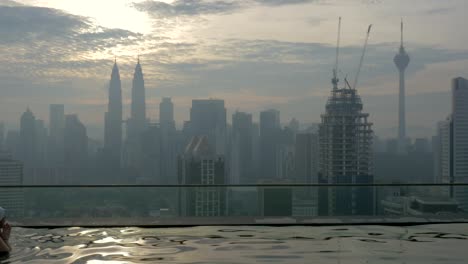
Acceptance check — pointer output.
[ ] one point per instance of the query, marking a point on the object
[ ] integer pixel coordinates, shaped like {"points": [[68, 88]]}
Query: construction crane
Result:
{"points": [[335, 79], [362, 57]]}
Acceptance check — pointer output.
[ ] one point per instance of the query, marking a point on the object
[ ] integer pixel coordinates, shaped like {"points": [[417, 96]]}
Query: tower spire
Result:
{"points": [[401, 60], [401, 33]]}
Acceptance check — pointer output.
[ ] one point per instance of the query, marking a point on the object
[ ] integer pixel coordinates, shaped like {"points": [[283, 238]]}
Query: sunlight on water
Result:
{"points": [[353, 244]]}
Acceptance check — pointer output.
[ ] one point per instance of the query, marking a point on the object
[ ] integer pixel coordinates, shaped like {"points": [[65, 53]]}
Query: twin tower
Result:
{"points": [[113, 116]]}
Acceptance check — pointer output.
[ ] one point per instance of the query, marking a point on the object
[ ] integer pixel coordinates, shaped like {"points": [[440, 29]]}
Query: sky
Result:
{"points": [[254, 54]]}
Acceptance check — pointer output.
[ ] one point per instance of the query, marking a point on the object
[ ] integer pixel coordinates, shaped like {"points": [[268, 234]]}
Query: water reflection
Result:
{"points": [[360, 244]]}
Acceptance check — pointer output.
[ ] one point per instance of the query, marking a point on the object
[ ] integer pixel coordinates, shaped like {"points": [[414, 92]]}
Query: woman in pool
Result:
{"points": [[5, 230]]}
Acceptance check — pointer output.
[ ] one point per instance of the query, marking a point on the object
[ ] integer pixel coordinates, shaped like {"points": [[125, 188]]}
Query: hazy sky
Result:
{"points": [[254, 54]]}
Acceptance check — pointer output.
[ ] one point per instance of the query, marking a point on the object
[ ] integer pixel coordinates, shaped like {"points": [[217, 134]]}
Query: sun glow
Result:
{"points": [[107, 13]]}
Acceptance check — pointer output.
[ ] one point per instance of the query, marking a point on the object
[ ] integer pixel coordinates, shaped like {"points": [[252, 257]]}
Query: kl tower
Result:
{"points": [[401, 61]]}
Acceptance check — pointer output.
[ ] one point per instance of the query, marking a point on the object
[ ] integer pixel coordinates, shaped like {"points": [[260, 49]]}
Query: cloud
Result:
{"points": [[186, 7], [283, 2], [44, 42]]}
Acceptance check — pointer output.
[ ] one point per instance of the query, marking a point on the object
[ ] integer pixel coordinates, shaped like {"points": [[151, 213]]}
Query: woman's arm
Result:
{"points": [[4, 246], [5, 233]]}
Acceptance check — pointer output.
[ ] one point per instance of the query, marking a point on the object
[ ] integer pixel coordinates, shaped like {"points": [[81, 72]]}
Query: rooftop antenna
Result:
{"points": [[335, 79], [401, 33], [362, 57]]}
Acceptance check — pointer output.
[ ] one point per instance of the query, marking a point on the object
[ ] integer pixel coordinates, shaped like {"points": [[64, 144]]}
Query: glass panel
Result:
{"points": [[242, 204]]}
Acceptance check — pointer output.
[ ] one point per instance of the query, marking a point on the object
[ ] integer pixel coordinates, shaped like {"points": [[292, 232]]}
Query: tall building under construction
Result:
{"points": [[345, 145]]}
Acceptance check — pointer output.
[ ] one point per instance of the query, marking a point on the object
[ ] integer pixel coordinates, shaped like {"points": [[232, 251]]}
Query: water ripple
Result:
{"points": [[359, 244]]}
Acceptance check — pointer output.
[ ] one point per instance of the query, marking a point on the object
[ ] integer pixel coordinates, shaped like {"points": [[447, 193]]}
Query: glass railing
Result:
{"points": [[264, 204]]}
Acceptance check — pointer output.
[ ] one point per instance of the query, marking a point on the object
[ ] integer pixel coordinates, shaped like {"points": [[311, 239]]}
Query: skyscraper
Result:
{"points": [[208, 118], [171, 144], [137, 123], [166, 112], [270, 134], [200, 165], [2, 135], [27, 148], [401, 61], [41, 143], [460, 139], [75, 143], [138, 111], [443, 152], [345, 143], [306, 158], [11, 173], [242, 149], [151, 155], [56, 137], [113, 121]]}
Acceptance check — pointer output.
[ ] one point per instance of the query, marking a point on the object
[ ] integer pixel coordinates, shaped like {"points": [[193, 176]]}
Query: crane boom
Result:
{"points": [[335, 79], [362, 57]]}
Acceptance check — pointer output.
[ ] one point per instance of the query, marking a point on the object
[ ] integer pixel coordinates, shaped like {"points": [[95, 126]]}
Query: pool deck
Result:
{"points": [[222, 221]]}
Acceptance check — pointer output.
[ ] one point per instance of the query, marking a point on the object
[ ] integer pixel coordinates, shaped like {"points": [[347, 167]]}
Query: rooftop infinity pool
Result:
{"points": [[447, 243]]}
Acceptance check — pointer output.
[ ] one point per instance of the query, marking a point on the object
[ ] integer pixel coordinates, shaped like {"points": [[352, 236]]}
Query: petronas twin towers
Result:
{"points": [[113, 116]]}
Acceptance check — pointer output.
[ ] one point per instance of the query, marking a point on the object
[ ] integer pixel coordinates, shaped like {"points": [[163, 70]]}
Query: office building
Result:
{"points": [[270, 139], [242, 149], [113, 122], [28, 140], [56, 136], [75, 143]]}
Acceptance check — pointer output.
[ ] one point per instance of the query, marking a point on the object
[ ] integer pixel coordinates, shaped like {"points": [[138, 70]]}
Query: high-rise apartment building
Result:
{"points": [[460, 139], [201, 165], [11, 173]]}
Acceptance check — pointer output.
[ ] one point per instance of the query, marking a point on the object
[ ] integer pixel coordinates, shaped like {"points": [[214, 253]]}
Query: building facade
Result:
{"points": [[241, 149], [345, 144], [201, 165], [270, 139], [113, 122], [11, 173], [460, 139], [208, 118]]}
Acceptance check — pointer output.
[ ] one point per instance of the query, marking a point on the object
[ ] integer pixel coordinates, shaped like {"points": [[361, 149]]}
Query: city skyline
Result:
{"points": [[180, 62]]}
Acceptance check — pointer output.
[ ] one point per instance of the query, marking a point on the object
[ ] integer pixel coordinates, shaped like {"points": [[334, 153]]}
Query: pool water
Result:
{"points": [[446, 243]]}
